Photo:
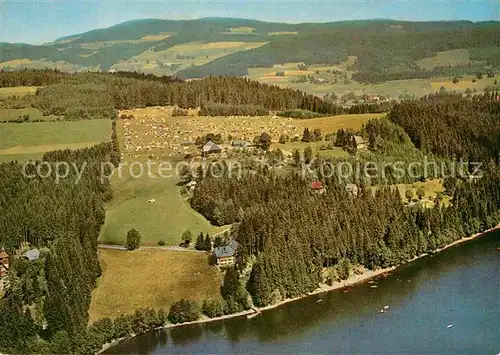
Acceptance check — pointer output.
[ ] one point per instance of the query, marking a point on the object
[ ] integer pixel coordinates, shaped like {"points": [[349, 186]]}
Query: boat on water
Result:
{"points": [[251, 315], [449, 326], [255, 313]]}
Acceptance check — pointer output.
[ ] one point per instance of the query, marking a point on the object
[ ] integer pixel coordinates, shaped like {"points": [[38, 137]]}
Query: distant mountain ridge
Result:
{"points": [[230, 46]]}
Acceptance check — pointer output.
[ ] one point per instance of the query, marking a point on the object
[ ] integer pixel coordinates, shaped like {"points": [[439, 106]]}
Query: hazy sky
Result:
{"points": [[37, 21]]}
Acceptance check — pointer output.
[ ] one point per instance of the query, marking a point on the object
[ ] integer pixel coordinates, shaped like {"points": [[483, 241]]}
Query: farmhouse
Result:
{"points": [[4, 263], [360, 142], [210, 148], [352, 189], [317, 186], [225, 254], [32, 254]]}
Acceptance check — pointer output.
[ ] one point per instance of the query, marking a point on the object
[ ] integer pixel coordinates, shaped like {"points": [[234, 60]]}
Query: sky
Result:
{"points": [[38, 21]]}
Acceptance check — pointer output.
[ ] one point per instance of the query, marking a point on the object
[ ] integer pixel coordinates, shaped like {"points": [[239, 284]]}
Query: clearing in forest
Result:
{"points": [[158, 278], [17, 90], [31, 140]]}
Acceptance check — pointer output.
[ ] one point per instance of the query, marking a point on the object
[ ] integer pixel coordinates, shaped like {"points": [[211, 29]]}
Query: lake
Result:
{"points": [[459, 287]]}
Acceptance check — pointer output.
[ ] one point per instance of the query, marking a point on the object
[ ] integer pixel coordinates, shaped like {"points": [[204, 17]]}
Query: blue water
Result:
{"points": [[459, 286]]}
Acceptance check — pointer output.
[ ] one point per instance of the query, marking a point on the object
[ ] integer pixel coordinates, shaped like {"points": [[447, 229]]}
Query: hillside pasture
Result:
{"points": [[283, 33], [10, 114], [158, 278], [318, 148], [182, 56], [456, 57], [165, 219], [393, 89], [17, 90], [465, 82], [240, 30], [31, 140], [332, 124]]}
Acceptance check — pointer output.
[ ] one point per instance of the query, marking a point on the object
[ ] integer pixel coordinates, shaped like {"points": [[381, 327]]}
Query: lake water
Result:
{"points": [[459, 286]]}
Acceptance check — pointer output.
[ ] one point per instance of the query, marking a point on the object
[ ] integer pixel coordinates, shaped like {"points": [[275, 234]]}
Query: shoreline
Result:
{"points": [[352, 280]]}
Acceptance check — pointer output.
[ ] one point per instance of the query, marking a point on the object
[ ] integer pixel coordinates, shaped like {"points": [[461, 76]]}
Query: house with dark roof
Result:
{"points": [[225, 255], [210, 148]]}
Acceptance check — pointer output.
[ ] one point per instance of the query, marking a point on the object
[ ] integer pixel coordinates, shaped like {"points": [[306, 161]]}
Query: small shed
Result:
{"points": [[32, 254], [352, 189], [360, 142]]}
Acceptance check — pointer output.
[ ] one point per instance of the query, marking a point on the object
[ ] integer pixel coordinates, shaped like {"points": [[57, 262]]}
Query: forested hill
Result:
{"points": [[199, 48]]}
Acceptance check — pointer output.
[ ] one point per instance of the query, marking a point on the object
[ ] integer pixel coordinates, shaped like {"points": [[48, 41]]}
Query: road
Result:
{"points": [[157, 247]]}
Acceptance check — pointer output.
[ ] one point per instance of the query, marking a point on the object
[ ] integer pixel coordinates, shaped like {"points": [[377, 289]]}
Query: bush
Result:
{"points": [[184, 311], [161, 243]]}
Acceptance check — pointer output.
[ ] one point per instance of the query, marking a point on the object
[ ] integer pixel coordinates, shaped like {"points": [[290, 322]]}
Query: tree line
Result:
{"points": [[61, 219], [450, 125]]}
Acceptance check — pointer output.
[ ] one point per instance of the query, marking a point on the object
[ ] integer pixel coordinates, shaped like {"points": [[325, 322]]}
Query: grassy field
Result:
{"points": [[334, 123], [9, 114], [289, 147], [416, 87], [155, 133], [431, 189], [456, 57], [166, 219], [157, 277], [464, 83], [31, 140], [17, 90], [183, 55]]}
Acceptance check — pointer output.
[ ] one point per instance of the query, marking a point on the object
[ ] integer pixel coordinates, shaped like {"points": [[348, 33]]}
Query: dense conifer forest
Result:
{"points": [[51, 296], [96, 95], [451, 125], [290, 237]]}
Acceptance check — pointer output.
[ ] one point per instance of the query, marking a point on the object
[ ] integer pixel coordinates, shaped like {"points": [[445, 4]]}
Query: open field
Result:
{"points": [[283, 33], [155, 133], [17, 90], [165, 219], [31, 140], [465, 82], [240, 30], [289, 147], [456, 57], [181, 56], [157, 277], [9, 114], [44, 64], [431, 189], [332, 124], [393, 89]]}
